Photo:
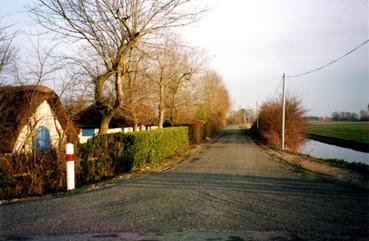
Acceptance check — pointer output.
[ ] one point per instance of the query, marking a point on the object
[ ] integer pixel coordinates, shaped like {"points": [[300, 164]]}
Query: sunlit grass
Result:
{"points": [[355, 131]]}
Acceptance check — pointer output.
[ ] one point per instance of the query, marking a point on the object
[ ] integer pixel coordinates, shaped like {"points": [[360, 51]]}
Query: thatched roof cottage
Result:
{"points": [[33, 118], [89, 119]]}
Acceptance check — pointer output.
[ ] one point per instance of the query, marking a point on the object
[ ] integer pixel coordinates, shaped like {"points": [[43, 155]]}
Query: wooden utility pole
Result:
{"points": [[283, 108]]}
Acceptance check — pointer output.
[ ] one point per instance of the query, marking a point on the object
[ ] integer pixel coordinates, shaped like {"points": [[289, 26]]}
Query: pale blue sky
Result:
{"points": [[252, 42]]}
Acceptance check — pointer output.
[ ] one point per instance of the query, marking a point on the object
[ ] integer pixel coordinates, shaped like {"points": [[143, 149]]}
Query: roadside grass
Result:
{"points": [[353, 131], [354, 166]]}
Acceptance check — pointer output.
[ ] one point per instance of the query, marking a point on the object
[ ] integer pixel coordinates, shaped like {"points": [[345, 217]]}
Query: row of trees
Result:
{"points": [[127, 60], [241, 116], [350, 116]]}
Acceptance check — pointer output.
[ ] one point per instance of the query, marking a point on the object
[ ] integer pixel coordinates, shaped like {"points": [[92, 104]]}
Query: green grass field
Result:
{"points": [[356, 131]]}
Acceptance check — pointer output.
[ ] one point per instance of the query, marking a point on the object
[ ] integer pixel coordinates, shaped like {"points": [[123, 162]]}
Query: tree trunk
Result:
{"points": [[104, 126], [135, 122], [135, 127], [99, 87], [161, 106], [172, 112], [118, 88]]}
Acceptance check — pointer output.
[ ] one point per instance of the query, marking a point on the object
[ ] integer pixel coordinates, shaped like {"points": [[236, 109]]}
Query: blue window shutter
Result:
{"points": [[42, 140]]}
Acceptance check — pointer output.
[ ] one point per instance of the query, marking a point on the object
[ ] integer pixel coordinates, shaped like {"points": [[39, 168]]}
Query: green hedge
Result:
{"points": [[155, 145], [112, 154], [101, 157]]}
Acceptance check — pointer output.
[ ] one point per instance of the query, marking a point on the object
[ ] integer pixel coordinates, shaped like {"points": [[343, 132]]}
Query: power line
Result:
{"points": [[306, 73], [326, 65], [276, 89]]}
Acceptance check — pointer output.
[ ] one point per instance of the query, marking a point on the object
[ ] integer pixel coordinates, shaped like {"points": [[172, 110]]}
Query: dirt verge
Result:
{"points": [[318, 167]]}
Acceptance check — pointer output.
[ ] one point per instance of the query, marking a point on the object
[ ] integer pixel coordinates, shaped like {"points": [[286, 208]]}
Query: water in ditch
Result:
{"points": [[323, 150]]}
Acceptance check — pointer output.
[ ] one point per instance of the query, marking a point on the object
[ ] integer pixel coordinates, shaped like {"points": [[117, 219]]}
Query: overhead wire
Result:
{"points": [[276, 89], [330, 63]]}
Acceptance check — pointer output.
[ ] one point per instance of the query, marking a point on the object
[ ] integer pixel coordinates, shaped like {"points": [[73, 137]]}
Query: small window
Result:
{"points": [[42, 141], [88, 132]]}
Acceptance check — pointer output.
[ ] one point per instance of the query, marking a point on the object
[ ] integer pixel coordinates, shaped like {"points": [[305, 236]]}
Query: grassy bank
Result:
{"points": [[355, 173], [358, 167], [315, 164], [351, 131]]}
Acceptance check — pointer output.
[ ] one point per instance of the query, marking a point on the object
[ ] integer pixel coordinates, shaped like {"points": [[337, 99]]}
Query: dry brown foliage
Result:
{"points": [[270, 118], [23, 175], [216, 103]]}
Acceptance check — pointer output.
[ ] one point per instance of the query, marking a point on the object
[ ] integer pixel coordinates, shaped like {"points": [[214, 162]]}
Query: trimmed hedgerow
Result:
{"points": [[155, 145], [196, 131], [101, 157], [112, 154]]}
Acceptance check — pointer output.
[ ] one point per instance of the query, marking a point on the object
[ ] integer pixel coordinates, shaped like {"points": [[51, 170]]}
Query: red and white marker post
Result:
{"points": [[69, 150]]}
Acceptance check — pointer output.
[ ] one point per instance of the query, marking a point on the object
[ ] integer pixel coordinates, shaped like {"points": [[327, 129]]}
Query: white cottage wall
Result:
{"points": [[84, 139], [43, 117]]}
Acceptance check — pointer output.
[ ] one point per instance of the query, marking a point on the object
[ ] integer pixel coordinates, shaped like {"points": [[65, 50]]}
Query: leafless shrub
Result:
{"points": [[270, 118], [23, 175]]}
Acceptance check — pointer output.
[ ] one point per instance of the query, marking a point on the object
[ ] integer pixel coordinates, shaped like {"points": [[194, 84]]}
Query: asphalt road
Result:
{"points": [[229, 191]]}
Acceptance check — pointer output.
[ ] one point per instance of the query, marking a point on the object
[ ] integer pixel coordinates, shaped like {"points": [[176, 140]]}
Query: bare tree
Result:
{"points": [[215, 102], [7, 50], [111, 29], [139, 106], [170, 67], [181, 72]]}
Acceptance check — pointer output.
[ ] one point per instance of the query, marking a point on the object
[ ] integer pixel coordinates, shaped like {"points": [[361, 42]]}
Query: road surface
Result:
{"points": [[231, 190]]}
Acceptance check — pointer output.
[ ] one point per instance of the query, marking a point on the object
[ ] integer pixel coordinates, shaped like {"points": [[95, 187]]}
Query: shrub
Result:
{"points": [[270, 119], [24, 175], [101, 157], [156, 145], [196, 131], [112, 154]]}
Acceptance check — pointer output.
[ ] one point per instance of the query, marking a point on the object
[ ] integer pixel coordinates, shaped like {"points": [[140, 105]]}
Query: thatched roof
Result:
{"points": [[91, 117], [19, 103]]}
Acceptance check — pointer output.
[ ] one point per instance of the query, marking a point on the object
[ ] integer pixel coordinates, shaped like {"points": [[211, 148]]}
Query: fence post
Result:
{"points": [[69, 150]]}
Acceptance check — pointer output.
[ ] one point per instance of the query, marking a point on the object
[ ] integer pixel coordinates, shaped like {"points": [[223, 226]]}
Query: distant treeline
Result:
{"points": [[343, 116], [350, 116]]}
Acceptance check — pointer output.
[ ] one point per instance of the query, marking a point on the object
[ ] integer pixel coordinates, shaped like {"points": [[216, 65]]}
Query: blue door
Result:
{"points": [[42, 140]]}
